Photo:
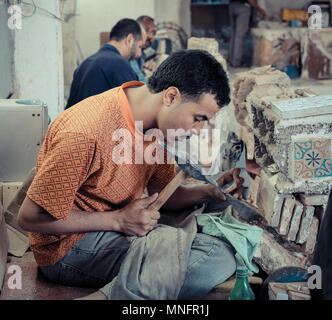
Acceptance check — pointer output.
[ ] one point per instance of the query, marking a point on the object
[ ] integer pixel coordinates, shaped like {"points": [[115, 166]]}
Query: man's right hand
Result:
{"points": [[136, 219]]}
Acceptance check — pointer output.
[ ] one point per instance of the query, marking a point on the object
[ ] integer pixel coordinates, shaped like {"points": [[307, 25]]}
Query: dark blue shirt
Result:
{"points": [[104, 70]]}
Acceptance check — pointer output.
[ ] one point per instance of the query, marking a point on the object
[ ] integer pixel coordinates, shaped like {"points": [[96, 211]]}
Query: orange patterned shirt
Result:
{"points": [[76, 171]]}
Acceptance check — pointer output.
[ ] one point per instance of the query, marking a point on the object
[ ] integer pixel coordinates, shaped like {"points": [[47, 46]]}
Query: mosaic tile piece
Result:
{"points": [[312, 158]]}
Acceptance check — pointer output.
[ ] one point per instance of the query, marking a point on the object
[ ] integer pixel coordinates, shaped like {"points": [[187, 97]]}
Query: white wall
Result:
{"points": [[38, 66], [177, 11], [98, 16], [6, 48]]}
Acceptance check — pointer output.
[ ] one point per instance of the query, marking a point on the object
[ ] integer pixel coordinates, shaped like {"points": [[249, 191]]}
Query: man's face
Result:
{"points": [[135, 51], [150, 35], [189, 116]]}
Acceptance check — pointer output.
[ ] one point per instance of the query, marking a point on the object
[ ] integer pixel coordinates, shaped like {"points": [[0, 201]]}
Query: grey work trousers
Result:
{"points": [[239, 18], [96, 259]]}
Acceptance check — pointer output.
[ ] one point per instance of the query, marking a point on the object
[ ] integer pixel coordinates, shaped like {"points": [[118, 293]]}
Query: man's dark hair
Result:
{"points": [[144, 19], [123, 28], [193, 72]]}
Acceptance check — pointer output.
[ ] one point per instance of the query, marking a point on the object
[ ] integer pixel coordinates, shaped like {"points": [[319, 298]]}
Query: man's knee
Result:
{"points": [[226, 261], [215, 251]]}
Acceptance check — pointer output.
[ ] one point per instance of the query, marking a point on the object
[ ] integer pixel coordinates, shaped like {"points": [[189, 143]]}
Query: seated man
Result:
{"points": [[84, 203], [109, 67], [153, 51]]}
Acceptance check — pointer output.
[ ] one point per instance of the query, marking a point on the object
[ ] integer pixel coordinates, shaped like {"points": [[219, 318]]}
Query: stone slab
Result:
{"points": [[253, 190], [283, 139], [286, 215], [304, 107], [271, 256], [9, 190], [309, 246], [18, 242], [308, 214], [248, 138], [313, 200], [11, 213], [267, 196], [296, 220], [277, 209]]}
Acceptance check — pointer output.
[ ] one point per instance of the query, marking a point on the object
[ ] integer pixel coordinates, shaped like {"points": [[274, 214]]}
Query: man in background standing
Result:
{"points": [[239, 13], [109, 67]]}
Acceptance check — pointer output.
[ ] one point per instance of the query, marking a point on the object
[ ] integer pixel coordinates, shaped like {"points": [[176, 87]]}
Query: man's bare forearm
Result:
{"points": [[257, 7], [33, 218], [76, 222]]}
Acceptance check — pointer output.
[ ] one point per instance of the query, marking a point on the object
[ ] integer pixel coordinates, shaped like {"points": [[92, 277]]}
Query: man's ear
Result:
{"points": [[129, 40], [171, 95]]}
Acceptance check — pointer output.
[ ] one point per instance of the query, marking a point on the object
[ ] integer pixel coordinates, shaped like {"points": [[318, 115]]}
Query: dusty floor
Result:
{"points": [[34, 285]]}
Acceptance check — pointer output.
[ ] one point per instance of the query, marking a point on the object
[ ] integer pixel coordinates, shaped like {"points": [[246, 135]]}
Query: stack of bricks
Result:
{"points": [[290, 137]]}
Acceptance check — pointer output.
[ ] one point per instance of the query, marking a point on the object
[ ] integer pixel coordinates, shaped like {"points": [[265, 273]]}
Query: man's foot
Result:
{"points": [[98, 295]]}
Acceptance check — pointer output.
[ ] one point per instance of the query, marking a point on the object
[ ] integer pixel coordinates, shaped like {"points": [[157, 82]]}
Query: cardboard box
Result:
{"points": [[292, 14]]}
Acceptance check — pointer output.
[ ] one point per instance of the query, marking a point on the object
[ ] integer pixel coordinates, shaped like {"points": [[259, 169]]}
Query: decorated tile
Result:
{"points": [[312, 158]]}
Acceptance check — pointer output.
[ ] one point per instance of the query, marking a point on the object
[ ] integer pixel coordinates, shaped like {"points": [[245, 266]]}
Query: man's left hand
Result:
{"points": [[227, 177]]}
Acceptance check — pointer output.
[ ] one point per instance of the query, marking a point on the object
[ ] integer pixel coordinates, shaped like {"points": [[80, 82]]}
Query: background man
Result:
{"points": [[150, 28], [154, 50], [109, 67], [239, 13]]}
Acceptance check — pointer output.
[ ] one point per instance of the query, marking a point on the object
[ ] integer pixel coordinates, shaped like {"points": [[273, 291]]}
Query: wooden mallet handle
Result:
{"points": [[165, 194]]}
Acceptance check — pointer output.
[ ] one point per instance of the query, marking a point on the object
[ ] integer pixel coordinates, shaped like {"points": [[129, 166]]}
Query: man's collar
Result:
{"points": [[110, 47]]}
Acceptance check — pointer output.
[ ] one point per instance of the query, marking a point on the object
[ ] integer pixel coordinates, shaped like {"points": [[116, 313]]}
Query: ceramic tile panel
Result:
{"points": [[312, 158]]}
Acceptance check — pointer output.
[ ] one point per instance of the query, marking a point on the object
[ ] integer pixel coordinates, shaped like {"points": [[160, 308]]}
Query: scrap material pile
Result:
{"points": [[289, 134]]}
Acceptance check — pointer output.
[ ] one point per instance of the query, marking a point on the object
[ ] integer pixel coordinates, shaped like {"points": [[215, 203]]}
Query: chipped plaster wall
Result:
{"points": [[70, 52], [38, 64]]}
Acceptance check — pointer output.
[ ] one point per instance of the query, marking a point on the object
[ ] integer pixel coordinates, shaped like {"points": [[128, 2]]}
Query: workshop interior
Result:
{"points": [[66, 78]]}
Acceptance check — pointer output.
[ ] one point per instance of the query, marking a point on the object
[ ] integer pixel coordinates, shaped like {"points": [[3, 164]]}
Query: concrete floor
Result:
{"points": [[35, 286]]}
